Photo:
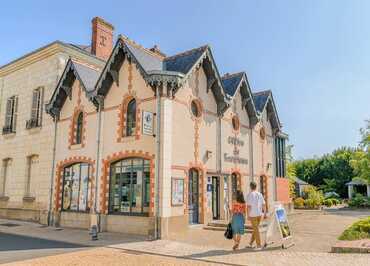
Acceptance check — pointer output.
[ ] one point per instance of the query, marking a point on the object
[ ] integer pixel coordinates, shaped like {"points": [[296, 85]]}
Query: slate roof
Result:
{"points": [[300, 181], [260, 99], [87, 75], [147, 60], [183, 62], [231, 82]]}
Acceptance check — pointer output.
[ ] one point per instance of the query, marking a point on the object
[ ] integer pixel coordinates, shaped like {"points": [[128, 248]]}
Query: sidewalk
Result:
{"points": [[164, 252]]}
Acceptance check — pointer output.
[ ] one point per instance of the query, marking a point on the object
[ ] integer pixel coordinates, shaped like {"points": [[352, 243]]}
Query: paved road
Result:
{"points": [[16, 247], [23, 240]]}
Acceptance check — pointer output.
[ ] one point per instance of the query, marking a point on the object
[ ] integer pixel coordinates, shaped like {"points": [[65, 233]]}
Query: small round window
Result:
{"points": [[235, 122], [195, 108]]}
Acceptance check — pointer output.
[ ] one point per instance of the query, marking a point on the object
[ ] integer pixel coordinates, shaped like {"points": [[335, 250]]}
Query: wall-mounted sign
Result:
{"points": [[235, 141], [148, 121], [177, 191], [234, 159]]}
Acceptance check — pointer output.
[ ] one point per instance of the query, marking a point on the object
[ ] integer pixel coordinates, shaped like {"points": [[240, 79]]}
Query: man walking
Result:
{"points": [[256, 208]]}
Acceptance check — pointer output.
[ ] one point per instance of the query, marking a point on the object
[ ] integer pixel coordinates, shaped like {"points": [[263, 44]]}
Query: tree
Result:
{"points": [[361, 158]]}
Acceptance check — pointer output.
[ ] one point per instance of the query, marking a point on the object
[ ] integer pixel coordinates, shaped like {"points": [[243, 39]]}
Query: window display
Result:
{"points": [[76, 179], [129, 186]]}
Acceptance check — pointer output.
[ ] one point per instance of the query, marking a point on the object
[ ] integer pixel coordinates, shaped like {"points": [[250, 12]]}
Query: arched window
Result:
{"points": [[79, 128], [129, 190], [131, 118], [76, 178]]}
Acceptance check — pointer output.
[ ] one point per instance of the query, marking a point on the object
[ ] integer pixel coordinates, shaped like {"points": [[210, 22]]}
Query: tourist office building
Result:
{"points": [[146, 143]]}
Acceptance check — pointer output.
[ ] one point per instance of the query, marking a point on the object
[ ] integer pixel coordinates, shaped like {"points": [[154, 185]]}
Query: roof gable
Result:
{"points": [[238, 82], [87, 77], [264, 100]]}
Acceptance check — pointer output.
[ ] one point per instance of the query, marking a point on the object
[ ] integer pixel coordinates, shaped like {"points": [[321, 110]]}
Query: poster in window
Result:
{"points": [[177, 191], [148, 119]]}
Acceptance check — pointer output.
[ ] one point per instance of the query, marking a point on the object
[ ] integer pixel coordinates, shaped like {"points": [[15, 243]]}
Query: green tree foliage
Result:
{"points": [[330, 172], [361, 158]]}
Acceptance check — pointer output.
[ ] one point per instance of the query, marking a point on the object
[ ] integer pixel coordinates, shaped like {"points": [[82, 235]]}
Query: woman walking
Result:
{"points": [[238, 218]]}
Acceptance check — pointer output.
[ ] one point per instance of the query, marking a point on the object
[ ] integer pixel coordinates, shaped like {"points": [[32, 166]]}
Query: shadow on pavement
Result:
{"points": [[348, 212], [11, 242]]}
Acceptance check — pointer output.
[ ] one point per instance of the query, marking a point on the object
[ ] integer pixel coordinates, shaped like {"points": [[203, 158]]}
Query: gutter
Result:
{"points": [[100, 105], [157, 165], [251, 153], [50, 216]]}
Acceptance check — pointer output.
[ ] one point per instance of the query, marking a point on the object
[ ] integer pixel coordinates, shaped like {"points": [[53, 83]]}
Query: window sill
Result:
{"points": [[76, 146], [129, 214], [29, 199], [4, 198], [34, 130], [8, 135]]}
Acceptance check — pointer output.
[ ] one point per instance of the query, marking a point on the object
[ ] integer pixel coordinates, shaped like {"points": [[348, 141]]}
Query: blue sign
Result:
{"points": [[209, 187]]}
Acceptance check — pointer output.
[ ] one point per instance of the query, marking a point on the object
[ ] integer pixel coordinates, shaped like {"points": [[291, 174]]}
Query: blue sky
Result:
{"points": [[313, 55]]}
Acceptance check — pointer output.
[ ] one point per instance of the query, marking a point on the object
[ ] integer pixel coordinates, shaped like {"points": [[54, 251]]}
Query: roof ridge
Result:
{"points": [[76, 61], [261, 92], [186, 52], [227, 75], [136, 45]]}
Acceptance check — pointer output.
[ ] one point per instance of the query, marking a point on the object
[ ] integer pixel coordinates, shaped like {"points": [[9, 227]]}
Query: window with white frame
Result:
{"points": [[36, 108], [11, 115]]}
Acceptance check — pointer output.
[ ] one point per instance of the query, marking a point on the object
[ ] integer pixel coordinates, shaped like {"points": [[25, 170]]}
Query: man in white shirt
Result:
{"points": [[256, 208]]}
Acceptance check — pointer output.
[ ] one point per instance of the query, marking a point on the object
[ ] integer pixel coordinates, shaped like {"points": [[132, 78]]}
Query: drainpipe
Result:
{"points": [[251, 153], [274, 165], [1, 93], [50, 216], [157, 163], [97, 165]]}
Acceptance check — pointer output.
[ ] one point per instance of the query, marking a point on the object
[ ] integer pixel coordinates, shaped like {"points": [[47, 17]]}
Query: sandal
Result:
{"points": [[236, 246]]}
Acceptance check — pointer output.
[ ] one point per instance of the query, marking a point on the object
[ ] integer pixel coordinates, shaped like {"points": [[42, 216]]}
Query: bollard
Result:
{"points": [[94, 232]]}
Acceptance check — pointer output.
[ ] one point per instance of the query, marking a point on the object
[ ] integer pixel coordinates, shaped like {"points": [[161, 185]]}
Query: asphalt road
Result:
{"points": [[17, 247]]}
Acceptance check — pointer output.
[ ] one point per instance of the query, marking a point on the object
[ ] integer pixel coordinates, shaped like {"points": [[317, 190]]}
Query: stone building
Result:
{"points": [[152, 143], [27, 133], [134, 141]]}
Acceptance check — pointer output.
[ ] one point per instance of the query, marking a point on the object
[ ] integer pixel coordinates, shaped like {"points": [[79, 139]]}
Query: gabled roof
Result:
{"points": [[183, 62], [87, 77], [264, 100], [170, 71], [238, 82]]}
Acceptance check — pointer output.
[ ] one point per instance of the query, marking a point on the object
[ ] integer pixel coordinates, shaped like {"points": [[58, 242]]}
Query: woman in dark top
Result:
{"points": [[238, 218]]}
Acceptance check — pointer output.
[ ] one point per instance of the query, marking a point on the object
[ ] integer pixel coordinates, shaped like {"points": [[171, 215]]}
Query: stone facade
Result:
{"points": [[42, 68]]}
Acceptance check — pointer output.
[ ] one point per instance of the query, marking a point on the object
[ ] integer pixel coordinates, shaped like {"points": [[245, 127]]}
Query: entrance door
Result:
{"points": [[216, 197], [193, 196]]}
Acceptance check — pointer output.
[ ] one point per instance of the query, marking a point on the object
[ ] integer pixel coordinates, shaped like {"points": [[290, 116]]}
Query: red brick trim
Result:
{"points": [[122, 116], [73, 127], [104, 179], [58, 187]]}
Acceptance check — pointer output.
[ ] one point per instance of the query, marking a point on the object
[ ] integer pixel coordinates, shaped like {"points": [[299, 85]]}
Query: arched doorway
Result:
{"points": [[193, 196]]}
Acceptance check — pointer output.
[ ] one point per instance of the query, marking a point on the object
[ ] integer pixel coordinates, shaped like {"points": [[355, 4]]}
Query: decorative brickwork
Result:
{"points": [[73, 127], [122, 117], [104, 179], [58, 187]]}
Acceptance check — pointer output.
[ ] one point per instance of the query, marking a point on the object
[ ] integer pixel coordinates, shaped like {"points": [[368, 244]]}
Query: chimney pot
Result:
{"points": [[102, 38]]}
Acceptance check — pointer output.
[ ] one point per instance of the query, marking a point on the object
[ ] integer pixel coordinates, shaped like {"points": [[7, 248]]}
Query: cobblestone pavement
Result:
{"points": [[164, 252], [313, 233]]}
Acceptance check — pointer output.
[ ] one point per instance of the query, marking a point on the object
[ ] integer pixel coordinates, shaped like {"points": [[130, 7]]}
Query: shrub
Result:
{"points": [[358, 230], [314, 197], [359, 201], [336, 201], [299, 203], [328, 202]]}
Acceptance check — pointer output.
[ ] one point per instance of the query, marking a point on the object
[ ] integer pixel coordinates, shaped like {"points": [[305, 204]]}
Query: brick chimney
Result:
{"points": [[102, 38]]}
